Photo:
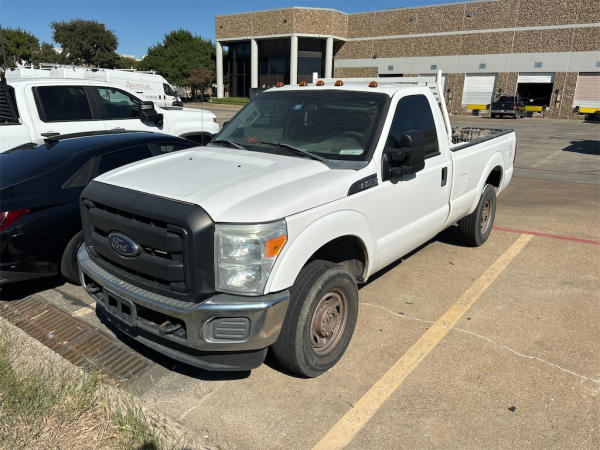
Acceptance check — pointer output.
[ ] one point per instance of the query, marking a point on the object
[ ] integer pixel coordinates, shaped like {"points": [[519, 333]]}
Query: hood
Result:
{"points": [[185, 113], [236, 185]]}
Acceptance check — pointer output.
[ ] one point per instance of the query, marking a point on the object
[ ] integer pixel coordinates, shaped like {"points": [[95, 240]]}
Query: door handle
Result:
{"points": [[444, 176]]}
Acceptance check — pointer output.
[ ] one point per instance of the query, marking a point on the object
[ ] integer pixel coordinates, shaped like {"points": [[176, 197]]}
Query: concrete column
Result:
{"points": [[329, 58], [220, 86], [253, 63], [294, 60]]}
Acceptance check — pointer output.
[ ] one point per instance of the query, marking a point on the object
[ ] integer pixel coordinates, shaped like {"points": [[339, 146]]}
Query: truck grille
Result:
{"points": [[161, 260], [174, 240]]}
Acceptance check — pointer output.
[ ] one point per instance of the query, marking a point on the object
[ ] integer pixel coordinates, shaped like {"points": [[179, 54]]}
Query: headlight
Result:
{"points": [[245, 255]]}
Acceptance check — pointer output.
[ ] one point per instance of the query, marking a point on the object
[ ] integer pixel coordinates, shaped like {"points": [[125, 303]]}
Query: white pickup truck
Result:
{"points": [[260, 239], [32, 109]]}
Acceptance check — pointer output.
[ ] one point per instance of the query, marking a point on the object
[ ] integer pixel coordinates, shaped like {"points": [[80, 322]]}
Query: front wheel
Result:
{"points": [[68, 262], [475, 229], [320, 319]]}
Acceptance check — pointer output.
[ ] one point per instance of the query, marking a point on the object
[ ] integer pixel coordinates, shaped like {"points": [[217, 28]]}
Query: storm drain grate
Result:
{"points": [[73, 339]]}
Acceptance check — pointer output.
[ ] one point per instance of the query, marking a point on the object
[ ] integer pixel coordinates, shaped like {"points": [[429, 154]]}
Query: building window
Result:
{"points": [[433, 67], [537, 65], [390, 67], [482, 65]]}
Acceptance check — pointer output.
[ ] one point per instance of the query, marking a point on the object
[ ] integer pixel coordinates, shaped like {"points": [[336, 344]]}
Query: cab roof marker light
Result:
{"points": [[279, 84], [303, 83], [320, 83], [339, 83], [373, 84]]}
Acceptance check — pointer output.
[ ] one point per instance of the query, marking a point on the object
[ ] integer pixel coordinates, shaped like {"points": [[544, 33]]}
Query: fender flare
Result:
{"points": [[495, 161], [314, 236]]}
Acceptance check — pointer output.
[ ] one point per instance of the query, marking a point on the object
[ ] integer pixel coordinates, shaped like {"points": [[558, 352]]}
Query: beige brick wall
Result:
{"points": [[354, 72]]}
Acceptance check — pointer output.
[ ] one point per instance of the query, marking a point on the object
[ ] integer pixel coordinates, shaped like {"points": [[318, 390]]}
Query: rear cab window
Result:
{"points": [[9, 113], [63, 103]]}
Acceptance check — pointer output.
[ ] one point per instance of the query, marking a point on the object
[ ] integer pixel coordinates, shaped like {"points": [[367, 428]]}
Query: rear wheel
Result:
{"points": [[475, 229], [68, 262], [320, 319]]}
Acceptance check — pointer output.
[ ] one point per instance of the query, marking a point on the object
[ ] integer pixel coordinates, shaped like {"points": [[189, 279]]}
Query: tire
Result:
{"points": [[320, 319], [515, 116], [68, 262], [475, 229]]}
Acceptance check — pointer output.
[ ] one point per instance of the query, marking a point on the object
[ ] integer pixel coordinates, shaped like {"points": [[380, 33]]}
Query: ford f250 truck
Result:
{"points": [[259, 240], [32, 109]]}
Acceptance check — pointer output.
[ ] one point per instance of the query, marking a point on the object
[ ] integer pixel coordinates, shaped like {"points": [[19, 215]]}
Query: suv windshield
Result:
{"points": [[337, 125]]}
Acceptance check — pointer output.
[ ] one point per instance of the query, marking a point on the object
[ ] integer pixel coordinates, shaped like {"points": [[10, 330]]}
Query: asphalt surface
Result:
{"points": [[520, 367]]}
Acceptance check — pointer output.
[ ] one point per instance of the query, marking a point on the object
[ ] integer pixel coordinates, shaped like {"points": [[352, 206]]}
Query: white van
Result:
{"points": [[147, 85]]}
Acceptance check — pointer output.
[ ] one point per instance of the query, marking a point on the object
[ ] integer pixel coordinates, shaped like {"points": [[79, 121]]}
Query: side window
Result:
{"points": [[168, 90], [168, 147], [118, 104], [124, 156], [63, 103], [414, 113]]}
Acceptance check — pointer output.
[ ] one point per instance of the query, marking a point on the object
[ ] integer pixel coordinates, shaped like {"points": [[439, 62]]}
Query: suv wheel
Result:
{"points": [[320, 319]]}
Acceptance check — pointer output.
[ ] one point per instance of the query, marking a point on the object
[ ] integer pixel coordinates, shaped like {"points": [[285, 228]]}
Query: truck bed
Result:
{"points": [[463, 137]]}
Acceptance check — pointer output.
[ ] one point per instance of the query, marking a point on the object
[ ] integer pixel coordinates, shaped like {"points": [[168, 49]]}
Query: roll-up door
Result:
{"points": [[478, 89], [535, 77], [587, 90]]}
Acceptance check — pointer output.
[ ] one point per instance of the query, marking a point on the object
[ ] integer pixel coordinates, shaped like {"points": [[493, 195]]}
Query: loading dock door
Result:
{"points": [[478, 90], [535, 88], [587, 91]]}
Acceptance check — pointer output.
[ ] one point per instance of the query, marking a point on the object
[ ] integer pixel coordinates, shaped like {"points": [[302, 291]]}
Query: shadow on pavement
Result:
{"points": [[586, 147], [22, 289]]}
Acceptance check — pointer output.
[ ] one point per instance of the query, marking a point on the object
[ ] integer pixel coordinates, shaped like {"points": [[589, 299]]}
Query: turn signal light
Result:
{"points": [[339, 83], [373, 84], [303, 83], [320, 83], [9, 217], [279, 84], [274, 246]]}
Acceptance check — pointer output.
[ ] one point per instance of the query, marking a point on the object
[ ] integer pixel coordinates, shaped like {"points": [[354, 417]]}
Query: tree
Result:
{"points": [[125, 62], [179, 54], [19, 45], [201, 78], [86, 42], [47, 54]]}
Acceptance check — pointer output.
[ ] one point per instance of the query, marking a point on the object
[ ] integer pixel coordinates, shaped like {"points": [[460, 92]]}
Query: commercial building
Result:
{"points": [[546, 50]]}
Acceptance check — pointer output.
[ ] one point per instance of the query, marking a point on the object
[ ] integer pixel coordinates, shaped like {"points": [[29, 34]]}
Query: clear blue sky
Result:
{"points": [[139, 24]]}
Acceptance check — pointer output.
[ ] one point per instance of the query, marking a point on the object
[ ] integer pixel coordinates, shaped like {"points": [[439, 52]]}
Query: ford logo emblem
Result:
{"points": [[123, 245]]}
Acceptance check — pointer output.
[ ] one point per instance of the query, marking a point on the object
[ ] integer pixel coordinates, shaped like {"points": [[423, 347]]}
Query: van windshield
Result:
{"points": [[338, 125]]}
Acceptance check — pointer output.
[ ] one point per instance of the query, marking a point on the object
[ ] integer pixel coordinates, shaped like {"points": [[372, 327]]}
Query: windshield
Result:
{"points": [[506, 98], [338, 125], [169, 90]]}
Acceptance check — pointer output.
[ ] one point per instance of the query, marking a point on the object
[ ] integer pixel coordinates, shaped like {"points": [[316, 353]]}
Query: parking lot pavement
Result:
{"points": [[520, 368]]}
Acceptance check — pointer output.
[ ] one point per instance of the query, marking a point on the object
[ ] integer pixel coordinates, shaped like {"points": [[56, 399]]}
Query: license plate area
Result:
{"points": [[120, 307]]}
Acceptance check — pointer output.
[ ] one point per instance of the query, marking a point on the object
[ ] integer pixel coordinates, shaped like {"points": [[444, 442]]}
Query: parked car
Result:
{"points": [[508, 105], [32, 109], [40, 223], [264, 234]]}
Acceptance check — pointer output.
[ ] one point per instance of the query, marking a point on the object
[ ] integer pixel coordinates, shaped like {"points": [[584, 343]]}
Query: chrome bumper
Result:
{"points": [[222, 323]]}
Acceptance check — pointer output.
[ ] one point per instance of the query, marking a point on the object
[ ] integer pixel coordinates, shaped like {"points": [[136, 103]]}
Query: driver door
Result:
{"points": [[414, 208]]}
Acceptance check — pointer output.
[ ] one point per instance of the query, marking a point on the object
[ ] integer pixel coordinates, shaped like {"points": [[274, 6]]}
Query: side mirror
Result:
{"points": [[225, 124], [406, 160], [149, 114]]}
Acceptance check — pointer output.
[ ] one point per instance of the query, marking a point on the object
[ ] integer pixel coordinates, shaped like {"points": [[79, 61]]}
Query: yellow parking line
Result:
{"points": [[81, 312], [355, 419]]}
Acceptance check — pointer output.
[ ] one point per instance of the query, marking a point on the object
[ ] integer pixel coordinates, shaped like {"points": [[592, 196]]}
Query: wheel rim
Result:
{"points": [[328, 322], [485, 216]]}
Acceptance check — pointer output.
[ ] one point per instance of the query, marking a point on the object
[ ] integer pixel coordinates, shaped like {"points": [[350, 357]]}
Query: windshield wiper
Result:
{"points": [[298, 151], [230, 143]]}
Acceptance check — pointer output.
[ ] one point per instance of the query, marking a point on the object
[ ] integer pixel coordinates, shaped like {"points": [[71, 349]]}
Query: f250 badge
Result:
{"points": [[123, 245]]}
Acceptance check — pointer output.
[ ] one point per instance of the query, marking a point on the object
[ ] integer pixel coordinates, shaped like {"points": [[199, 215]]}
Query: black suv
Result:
{"points": [[40, 223]]}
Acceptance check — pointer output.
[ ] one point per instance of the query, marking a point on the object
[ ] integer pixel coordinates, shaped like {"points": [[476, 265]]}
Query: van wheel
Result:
{"points": [[320, 319], [68, 262], [475, 229]]}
